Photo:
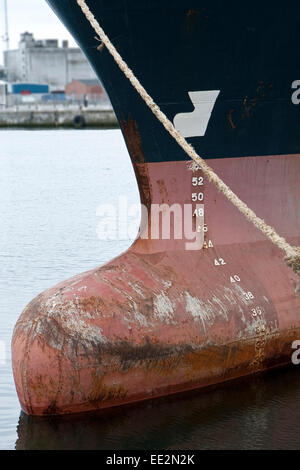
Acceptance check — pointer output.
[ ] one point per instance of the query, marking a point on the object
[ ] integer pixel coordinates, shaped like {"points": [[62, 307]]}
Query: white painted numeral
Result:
{"points": [[197, 181], [219, 262], [248, 295], [257, 311], [260, 329], [235, 278], [208, 245], [197, 197], [198, 213]]}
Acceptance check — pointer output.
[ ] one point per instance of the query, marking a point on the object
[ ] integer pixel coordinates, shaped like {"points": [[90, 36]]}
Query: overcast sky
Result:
{"points": [[30, 15]]}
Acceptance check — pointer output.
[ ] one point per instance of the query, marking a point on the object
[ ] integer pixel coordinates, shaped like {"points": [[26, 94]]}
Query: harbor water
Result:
{"points": [[53, 185]]}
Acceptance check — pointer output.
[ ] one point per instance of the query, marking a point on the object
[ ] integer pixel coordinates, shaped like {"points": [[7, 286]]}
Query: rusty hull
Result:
{"points": [[159, 319]]}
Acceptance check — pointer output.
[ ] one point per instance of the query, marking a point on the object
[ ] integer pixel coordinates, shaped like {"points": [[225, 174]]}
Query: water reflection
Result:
{"points": [[51, 184], [261, 412]]}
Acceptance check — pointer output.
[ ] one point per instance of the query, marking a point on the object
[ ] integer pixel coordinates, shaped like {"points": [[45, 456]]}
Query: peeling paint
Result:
{"points": [[163, 308], [136, 288], [194, 306]]}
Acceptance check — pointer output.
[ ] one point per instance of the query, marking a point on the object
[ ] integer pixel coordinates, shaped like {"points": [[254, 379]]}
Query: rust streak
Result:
{"points": [[135, 149]]}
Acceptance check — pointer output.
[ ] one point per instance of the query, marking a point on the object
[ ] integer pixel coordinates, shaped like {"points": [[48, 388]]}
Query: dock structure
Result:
{"points": [[58, 116]]}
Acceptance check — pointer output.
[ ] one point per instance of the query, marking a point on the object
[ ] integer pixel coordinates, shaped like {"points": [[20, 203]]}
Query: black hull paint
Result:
{"points": [[247, 50]]}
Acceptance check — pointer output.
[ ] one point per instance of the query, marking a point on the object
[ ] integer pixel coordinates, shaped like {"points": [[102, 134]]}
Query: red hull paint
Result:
{"points": [[160, 319]]}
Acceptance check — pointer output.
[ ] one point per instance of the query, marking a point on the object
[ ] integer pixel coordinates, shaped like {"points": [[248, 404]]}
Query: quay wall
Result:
{"points": [[76, 118]]}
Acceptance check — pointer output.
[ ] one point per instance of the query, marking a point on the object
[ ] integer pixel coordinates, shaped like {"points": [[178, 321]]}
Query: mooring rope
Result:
{"points": [[292, 258]]}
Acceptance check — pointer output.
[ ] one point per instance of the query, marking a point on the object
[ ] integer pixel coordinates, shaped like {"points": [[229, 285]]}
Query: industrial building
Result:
{"points": [[2, 72], [83, 87], [44, 61]]}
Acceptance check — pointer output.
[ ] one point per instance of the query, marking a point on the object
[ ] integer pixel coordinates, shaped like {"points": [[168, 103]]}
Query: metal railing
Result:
{"points": [[53, 101]]}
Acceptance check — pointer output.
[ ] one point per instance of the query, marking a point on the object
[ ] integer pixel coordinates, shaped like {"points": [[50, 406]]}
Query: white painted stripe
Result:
{"points": [[194, 124]]}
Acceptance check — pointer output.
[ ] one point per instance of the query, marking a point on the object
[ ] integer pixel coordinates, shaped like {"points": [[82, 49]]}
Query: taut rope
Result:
{"points": [[292, 258]]}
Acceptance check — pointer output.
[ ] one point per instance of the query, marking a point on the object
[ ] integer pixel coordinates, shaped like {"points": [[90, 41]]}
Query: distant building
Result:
{"points": [[2, 73], [43, 61], [81, 87], [3, 93]]}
